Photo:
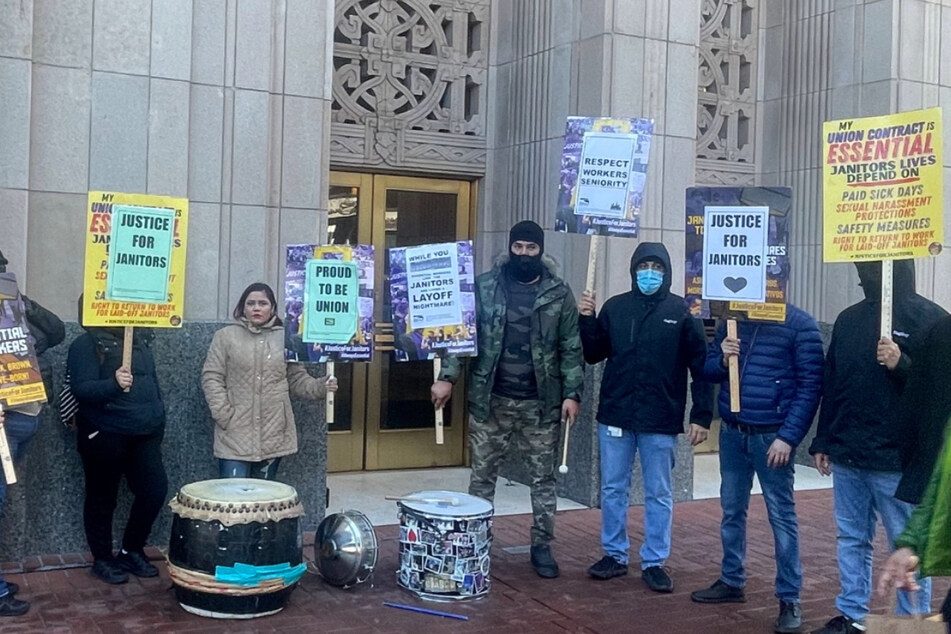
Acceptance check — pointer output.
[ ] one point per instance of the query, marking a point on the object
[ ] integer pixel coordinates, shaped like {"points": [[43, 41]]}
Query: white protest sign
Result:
{"points": [[605, 173], [734, 250], [432, 278]]}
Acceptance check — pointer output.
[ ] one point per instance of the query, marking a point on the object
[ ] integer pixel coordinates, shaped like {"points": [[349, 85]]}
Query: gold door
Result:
{"points": [[384, 418]]}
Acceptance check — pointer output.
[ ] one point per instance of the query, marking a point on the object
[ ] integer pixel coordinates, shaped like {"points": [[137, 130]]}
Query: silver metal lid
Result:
{"points": [[345, 549]]}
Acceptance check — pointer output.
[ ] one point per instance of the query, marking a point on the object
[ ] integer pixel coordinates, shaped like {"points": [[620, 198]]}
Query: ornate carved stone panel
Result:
{"points": [[726, 108], [409, 85]]}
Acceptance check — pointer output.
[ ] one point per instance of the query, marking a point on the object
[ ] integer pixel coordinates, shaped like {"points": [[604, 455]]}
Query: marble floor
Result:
{"points": [[366, 491]]}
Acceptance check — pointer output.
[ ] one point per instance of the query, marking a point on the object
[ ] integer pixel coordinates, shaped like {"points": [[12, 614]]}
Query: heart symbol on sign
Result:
{"points": [[735, 284]]}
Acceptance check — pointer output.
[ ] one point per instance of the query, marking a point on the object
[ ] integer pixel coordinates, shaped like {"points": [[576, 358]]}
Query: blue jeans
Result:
{"points": [[657, 461], [860, 494], [742, 455], [19, 429], [264, 470]]}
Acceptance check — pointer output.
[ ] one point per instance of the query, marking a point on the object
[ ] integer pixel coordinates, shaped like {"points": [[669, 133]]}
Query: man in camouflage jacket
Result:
{"points": [[528, 376]]}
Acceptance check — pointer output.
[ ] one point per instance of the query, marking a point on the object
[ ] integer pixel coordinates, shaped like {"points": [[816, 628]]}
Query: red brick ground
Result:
{"points": [[72, 601]]}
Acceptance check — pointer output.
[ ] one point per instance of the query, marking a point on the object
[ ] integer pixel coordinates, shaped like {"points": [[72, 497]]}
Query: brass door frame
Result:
{"points": [[400, 448], [365, 446], [345, 448]]}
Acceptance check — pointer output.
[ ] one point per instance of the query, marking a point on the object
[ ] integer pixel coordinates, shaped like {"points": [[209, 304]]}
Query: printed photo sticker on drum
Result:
{"points": [[450, 560]]}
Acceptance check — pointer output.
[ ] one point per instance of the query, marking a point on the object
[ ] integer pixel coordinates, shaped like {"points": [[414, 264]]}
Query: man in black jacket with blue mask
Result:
{"points": [[651, 342]]}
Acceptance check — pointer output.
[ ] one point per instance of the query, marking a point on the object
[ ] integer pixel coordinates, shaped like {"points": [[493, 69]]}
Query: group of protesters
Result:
{"points": [[885, 401], [885, 405]]}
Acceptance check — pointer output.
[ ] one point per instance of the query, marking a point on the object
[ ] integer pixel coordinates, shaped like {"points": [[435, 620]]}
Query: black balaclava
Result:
{"points": [[3, 263], [526, 268]]}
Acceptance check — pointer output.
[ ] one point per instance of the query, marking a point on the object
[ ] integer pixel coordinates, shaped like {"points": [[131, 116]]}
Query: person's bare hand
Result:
{"points": [[587, 303], [823, 464], [440, 393], [697, 434], [778, 454], [899, 572], [730, 347], [124, 377], [888, 353]]}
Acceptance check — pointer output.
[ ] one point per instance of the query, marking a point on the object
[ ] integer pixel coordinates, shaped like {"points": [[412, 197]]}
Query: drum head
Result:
{"points": [[239, 490], [345, 548], [447, 504]]}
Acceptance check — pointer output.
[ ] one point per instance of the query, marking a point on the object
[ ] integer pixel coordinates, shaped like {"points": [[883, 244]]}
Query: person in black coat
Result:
{"points": [[857, 437], [119, 433], [21, 421], [651, 342], [924, 412]]}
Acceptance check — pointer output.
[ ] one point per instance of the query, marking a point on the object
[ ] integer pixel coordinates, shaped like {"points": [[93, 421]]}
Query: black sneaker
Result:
{"points": [[11, 606], [12, 588], [841, 625], [790, 618], [719, 592], [607, 568], [109, 571], [136, 563], [544, 564], [657, 579]]}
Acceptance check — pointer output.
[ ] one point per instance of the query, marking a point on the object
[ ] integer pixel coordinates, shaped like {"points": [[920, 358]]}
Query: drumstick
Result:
{"points": [[329, 396], [453, 501], [437, 368], [563, 469]]}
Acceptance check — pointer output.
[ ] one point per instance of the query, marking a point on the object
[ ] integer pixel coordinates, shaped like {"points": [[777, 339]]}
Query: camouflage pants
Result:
{"points": [[520, 422]]}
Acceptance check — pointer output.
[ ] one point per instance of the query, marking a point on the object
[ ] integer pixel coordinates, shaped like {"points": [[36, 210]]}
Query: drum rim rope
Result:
{"points": [[203, 582]]}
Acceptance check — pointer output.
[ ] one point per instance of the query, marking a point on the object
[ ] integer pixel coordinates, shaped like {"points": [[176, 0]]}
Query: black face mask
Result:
{"points": [[525, 268]]}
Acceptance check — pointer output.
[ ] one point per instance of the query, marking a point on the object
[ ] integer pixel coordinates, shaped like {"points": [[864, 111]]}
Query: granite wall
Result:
{"points": [[43, 511]]}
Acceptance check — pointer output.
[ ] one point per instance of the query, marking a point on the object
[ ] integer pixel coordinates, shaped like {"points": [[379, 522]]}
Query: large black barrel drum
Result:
{"points": [[236, 547]]}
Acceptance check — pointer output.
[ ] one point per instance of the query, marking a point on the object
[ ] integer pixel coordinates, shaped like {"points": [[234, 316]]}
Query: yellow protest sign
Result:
{"points": [[100, 311], [883, 187]]}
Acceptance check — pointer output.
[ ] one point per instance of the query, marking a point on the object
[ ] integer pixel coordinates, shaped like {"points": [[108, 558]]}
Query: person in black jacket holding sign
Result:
{"points": [[858, 438], [119, 434], [650, 342]]}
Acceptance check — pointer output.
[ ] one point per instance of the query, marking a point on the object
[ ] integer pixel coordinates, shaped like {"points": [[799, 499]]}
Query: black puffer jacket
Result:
{"points": [[47, 331], [650, 343], [93, 360], [857, 425]]}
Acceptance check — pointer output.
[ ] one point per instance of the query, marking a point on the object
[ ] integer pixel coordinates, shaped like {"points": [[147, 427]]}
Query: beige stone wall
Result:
{"points": [[555, 58], [226, 102], [825, 60]]}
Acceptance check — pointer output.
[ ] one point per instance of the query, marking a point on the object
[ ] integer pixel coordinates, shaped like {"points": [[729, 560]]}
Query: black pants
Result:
{"points": [[106, 458]]}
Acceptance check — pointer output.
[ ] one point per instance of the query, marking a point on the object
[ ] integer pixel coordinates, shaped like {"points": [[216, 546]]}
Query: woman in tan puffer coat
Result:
{"points": [[248, 385]]}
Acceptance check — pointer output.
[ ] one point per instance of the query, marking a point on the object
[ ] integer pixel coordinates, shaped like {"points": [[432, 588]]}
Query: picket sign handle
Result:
{"points": [[5, 456], [440, 438], [127, 350], [734, 366], [593, 247], [887, 281], [330, 395]]}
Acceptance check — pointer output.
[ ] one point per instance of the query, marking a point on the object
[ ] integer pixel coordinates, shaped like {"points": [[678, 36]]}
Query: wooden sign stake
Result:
{"points": [[440, 438], [734, 366], [127, 350], [330, 395], [593, 247], [6, 457], [887, 282]]}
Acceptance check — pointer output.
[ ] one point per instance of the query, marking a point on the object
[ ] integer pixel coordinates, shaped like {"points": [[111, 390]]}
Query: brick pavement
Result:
{"points": [[70, 600]]}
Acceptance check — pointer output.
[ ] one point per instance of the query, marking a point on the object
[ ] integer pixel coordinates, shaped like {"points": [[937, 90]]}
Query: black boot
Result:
{"points": [[543, 562]]}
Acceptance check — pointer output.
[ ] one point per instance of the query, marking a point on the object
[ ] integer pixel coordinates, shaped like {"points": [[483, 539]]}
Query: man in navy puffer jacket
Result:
{"points": [[780, 387]]}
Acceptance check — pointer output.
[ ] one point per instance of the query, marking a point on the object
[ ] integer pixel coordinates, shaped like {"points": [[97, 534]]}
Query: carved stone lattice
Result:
{"points": [[409, 85], [726, 108]]}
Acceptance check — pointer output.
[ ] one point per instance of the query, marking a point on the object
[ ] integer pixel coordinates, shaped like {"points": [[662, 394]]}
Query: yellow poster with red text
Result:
{"points": [[883, 187], [97, 310]]}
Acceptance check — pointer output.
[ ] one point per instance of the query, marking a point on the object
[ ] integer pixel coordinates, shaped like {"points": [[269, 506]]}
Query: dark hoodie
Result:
{"points": [[650, 343], [860, 397], [92, 362]]}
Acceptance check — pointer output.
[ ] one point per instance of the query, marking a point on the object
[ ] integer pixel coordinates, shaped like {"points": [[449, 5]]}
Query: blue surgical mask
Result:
{"points": [[649, 281]]}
